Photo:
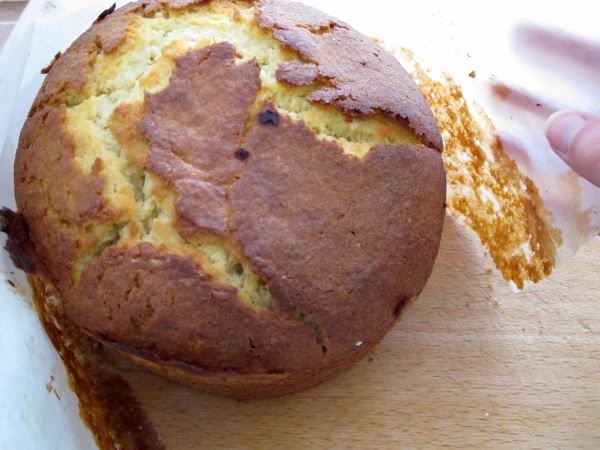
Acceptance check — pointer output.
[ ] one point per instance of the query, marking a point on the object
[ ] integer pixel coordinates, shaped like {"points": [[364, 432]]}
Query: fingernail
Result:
{"points": [[561, 130]]}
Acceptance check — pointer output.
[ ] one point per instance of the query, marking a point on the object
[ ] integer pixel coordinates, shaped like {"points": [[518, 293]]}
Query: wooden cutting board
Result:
{"points": [[470, 365]]}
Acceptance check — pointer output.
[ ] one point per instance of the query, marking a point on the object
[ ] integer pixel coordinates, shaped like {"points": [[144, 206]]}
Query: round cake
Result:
{"points": [[239, 196]]}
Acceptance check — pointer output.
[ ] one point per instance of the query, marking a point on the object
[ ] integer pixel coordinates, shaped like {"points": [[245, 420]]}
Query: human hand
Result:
{"points": [[575, 137], [539, 109], [561, 81]]}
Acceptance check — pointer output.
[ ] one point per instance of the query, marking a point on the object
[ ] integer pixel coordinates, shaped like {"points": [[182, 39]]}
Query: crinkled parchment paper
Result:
{"points": [[492, 74]]}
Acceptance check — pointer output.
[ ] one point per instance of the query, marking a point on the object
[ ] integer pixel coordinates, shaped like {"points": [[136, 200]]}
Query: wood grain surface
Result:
{"points": [[470, 365], [9, 13]]}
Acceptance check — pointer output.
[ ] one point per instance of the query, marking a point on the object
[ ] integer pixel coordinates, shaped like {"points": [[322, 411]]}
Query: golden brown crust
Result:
{"points": [[67, 74], [54, 195], [341, 242], [361, 77]]}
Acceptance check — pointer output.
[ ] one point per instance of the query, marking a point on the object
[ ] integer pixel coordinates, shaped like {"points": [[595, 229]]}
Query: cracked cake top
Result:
{"points": [[240, 196]]}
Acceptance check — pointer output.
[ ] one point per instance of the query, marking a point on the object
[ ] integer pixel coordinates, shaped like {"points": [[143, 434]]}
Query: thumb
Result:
{"points": [[575, 137]]}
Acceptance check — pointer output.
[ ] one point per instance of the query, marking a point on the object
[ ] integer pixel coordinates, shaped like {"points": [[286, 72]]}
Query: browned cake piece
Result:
{"points": [[240, 196]]}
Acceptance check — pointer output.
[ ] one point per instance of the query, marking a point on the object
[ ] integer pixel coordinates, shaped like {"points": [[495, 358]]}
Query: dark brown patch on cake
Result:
{"points": [[193, 127], [362, 77], [18, 243], [166, 306], [241, 154], [201, 206], [269, 114], [331, 234]]}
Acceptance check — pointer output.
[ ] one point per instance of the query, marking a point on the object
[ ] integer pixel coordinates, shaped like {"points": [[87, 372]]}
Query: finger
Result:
{"points": [[559, 44], [575, 137], [514, 148], [569, 65], [522, 100]]}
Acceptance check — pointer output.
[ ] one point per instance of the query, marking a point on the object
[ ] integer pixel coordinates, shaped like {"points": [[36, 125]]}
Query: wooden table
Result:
{"points": [[9, 13], [471, 365]]}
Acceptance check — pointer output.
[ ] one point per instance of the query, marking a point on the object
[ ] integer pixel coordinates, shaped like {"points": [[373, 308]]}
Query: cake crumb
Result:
{"points": [[49, 384], [46, 69], [107, 12]]}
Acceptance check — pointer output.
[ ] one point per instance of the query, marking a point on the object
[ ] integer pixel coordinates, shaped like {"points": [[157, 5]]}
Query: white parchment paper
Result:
{"points": [[38, 409]]}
